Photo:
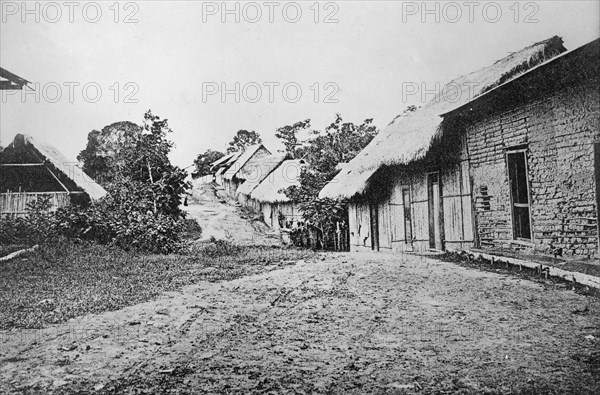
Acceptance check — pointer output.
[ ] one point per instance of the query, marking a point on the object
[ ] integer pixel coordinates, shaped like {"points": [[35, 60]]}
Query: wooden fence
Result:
{"points": [[14, 204]]}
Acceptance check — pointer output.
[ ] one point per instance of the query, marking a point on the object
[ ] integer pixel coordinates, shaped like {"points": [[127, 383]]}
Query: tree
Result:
{"points": [[339, 143], [141, 210], [289, 136], [243, 139], [147, 163], [204, 160], [132, 163], [103, 148]]}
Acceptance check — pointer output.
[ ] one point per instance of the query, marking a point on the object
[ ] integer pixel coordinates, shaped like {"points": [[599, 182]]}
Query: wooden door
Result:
{"points": [[374, 211], [435, 211], [519, 194], [407, 215]]}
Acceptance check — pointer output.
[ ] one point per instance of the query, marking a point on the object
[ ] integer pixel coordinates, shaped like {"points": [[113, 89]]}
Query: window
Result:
{"points": [[519, 193]]}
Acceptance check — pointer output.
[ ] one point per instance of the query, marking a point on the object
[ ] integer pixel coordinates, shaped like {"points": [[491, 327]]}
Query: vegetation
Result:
{"points": [[145, 190], [243, 139], [289, 137], [324, 151], [203, 161], [101, 156], [141, 211], [65, 279]]}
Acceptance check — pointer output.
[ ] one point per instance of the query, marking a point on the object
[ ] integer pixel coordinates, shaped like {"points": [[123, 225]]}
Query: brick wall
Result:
{"points": [[559, 131]]}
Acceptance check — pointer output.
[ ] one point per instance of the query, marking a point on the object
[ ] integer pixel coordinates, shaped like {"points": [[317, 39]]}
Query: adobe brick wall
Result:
{"points": [[560, 130]]}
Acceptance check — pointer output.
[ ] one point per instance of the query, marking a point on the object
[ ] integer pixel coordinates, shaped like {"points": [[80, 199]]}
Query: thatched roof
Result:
{"points": [[245, 160], [220, 171], [409, 138], [259, 171], [10, 81], [223, 161], [24, 153], [270, 190]]}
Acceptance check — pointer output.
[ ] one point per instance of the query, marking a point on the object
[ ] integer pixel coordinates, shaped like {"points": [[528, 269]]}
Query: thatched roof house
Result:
{"points": [[219, 163], [235, 175], [31, 168], [410, 138], [220, 166], [510, 161], [260, 170], [276, 207], [10, 81], [284, 176], [243, 165]]}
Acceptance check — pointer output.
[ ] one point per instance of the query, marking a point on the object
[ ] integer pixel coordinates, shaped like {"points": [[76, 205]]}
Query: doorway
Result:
{"points": [[407, 216], [434, 193], [374, 211], [519, 193]]}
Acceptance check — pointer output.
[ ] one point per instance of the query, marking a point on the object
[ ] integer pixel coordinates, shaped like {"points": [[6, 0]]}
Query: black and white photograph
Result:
{"points": [[300, 197]]}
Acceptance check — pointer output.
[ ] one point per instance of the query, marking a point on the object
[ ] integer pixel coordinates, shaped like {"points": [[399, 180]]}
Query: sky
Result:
{"points": [[213, 68]]}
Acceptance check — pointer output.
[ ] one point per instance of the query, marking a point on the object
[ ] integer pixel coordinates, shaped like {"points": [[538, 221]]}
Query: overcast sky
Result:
{"points": [[175, 58]]}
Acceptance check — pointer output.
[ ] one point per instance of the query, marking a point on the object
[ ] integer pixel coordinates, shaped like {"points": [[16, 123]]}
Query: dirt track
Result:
{"points": [[223, 221], [343, 323]]}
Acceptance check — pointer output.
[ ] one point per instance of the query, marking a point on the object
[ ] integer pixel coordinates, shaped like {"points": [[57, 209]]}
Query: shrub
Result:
{"points": [[125, 228], [34, 228]]}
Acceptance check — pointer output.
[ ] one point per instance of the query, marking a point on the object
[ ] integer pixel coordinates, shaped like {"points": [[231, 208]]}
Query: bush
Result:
{"points": [[128, 229], [34, 228], [103, 222]]}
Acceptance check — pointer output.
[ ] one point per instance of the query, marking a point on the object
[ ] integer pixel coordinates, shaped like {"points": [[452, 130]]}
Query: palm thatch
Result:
{"points": [[220, 171], [270, 190], [10, 81], [227, 159], [27, 162], [410, 138], [245, 159], [259, 171]]}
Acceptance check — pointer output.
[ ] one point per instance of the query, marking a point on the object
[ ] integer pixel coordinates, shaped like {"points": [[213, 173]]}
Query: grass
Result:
{"points": [[66, 280]]}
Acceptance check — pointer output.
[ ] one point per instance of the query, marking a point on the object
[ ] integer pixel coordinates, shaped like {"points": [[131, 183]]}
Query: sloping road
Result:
{"points": [[222, 221]]}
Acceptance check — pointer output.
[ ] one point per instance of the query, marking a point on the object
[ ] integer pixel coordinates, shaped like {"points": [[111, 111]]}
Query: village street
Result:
{"points": [[338, 323], [222, 221]]}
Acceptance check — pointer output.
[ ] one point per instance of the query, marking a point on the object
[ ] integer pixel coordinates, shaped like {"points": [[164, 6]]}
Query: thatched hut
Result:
{"points": [[10, 81], [254, 175], [278, 210], [242, 168], [220, 166], [412, 187], [31, 169]]}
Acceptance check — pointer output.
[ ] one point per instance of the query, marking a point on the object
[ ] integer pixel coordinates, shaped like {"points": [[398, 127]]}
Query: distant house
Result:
{"points": [[278, 210], [220, 166], [509, 161], [10, 81], [242, 168], [255, 174], [32, 169]]}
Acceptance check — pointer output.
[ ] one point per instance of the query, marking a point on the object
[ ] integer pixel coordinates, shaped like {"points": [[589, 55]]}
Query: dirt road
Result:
{"points": [[339, 323], [223, 221], [359, 323]]}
